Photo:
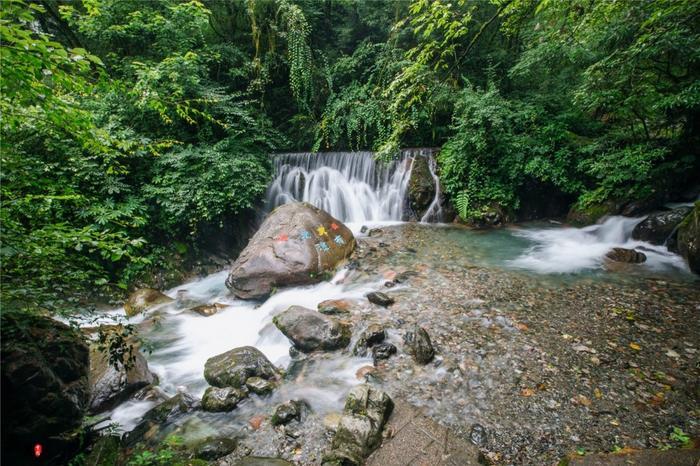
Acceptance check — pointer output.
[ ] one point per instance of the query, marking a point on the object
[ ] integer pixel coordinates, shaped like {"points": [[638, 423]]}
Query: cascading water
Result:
{"points": [[434, 212], [351, 186]]}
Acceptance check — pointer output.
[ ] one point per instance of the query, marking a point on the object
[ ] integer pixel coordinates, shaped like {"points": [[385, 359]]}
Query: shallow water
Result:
{"points": [[182, 340]]}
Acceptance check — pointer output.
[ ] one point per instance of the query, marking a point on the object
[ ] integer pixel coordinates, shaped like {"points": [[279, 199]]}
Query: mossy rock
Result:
{"points": [[588, 215], [689, 238]]}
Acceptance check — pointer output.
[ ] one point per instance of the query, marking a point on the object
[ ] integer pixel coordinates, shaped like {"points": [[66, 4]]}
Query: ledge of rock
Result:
{"points": [[295, 245]]}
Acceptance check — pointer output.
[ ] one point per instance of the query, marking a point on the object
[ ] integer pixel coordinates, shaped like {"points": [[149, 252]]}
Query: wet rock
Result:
{"points": [[689, 239], [581, 216], [285, 413], [375, 232], [382, 351], [109, 385], [233, 368], [364, 229], [658, 227], [45, 387], [148, 430], [477, 435], [312, 331], [259, 386], [404, 276], [418, 344], [334, 307], [261, 461], [629, 256], [222, 399], [143, 299], [372, 335], [380, 299], [213, 448], [294, 246], [359, 430], [207, 310]]}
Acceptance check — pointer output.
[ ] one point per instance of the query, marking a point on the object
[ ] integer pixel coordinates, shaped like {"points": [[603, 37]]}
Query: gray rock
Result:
{"points": [[372, 335], [213, 448], [629, 256], [379, 298], [359, 430], [287, 412], [375, 232], [233, 368], [382, 351], [109, 385], [312, 331], [143, 299], [418, 344], [259, 386], [421, 187], [658, 227], [222, 399], [295, 245]]}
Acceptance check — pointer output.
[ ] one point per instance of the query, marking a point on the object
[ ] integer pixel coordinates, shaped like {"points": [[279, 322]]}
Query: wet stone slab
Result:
{"points": [[416, 440], [680, 457]]}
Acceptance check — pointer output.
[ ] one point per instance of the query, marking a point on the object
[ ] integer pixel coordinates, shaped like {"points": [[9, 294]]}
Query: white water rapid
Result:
{"points": [[351, 186], [570, 250]]}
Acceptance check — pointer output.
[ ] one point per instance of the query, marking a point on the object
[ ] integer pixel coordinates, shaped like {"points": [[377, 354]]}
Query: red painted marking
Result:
{"points": [[38, 449], [283, 237], [334, 226]]}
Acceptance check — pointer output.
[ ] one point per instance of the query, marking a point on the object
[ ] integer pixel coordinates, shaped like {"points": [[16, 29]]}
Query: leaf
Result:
{"points": [[635, 346]]}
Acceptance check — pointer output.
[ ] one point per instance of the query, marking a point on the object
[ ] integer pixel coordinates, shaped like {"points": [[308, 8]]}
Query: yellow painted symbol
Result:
{"points": [[321, 230]]}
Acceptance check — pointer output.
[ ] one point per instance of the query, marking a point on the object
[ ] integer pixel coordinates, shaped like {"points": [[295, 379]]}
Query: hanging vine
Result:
{"points": [[298, 51]]}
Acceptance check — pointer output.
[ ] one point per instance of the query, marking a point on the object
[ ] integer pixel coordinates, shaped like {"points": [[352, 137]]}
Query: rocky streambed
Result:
{"points": [[526, 366]]}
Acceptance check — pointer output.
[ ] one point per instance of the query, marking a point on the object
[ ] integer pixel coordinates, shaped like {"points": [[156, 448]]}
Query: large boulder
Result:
{"points": [[143, 299], [689, 238], [310, 330], [295, 245], [359, 431], [658, 227], [45, 389], [110, 385], [233, 368]]}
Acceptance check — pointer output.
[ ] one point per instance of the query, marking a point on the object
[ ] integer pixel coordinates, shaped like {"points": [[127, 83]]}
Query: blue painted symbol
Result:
{"points": [[304, 235], [322, 246], [339, 239]]}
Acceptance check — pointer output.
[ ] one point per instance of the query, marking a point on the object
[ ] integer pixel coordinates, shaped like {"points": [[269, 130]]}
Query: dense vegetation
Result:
{"points": [[131, 130]]}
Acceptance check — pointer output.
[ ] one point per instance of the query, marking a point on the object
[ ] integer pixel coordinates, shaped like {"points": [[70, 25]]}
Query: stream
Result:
{"points": [[504, 277]]}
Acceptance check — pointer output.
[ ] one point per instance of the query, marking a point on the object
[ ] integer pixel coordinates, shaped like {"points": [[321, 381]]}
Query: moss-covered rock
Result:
{"points": [[233, 368], [312, 331], [590, 214], [143, 299], [689, 238], [217, 399]]}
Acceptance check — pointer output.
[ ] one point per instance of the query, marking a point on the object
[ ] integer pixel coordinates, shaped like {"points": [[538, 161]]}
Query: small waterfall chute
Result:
{"points": [[351, 186]]}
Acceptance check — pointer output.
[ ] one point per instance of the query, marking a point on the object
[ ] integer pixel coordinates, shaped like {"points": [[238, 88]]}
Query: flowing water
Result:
{"points": [[354, 188], [351, 186]]}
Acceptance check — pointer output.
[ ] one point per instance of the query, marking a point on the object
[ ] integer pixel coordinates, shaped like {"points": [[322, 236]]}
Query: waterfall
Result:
{"points": [[351, 186], [434, 212]]}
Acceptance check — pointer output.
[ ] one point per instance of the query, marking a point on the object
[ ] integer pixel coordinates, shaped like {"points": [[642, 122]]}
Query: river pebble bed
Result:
{"points": [[533, 361]]}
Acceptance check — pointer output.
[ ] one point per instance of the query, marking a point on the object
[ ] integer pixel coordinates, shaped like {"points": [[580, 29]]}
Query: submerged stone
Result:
{"points": [[213, 448], [629, 256]]}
